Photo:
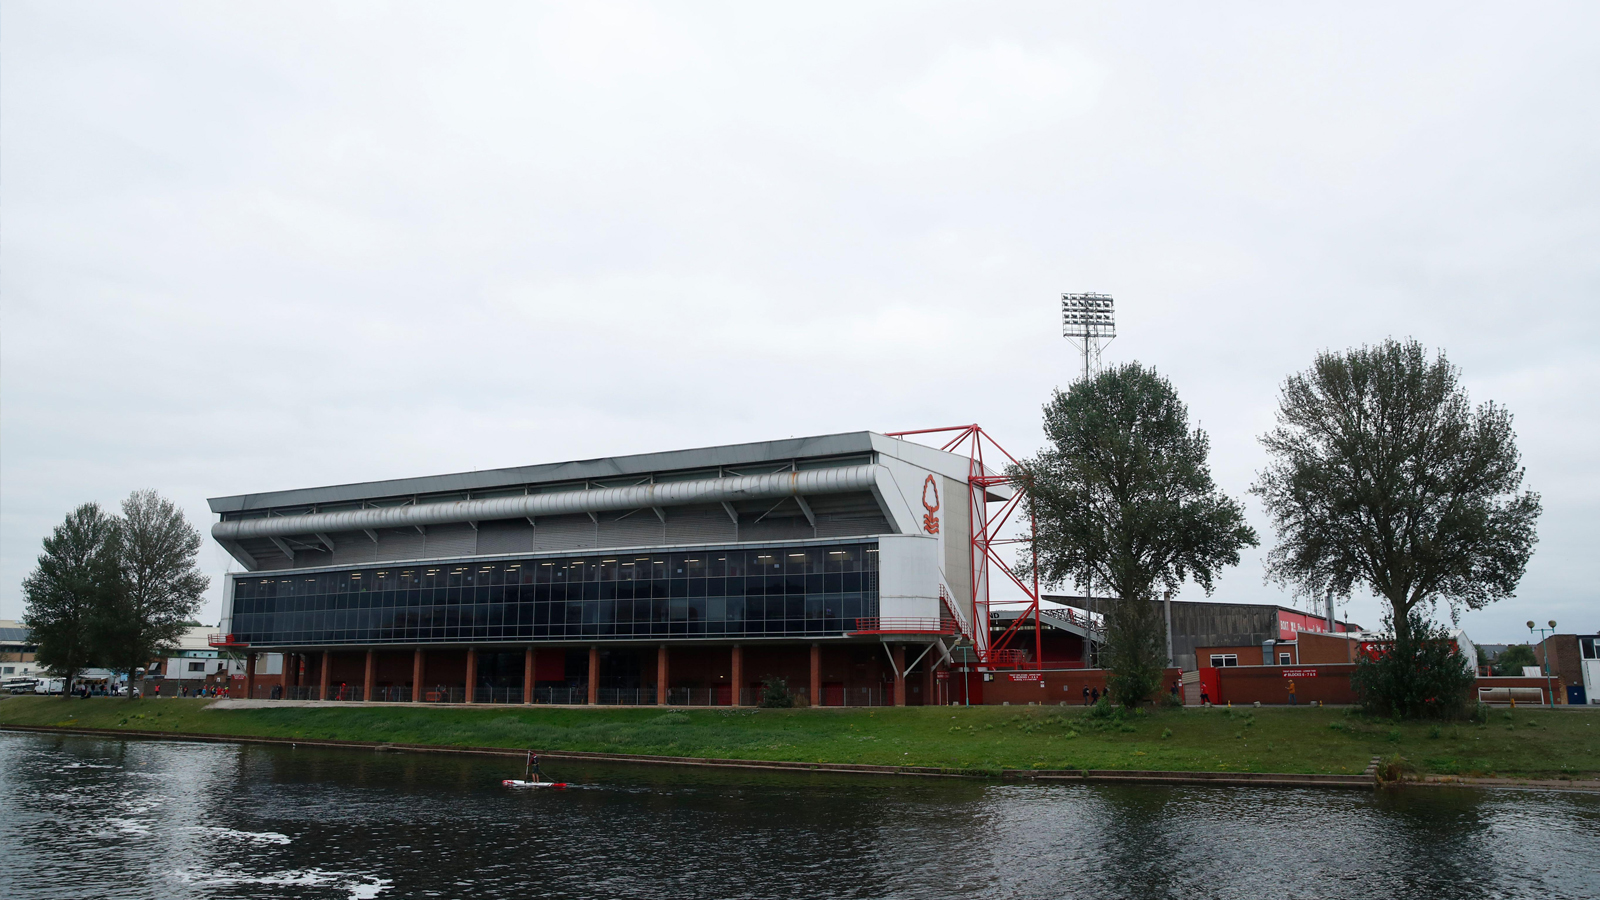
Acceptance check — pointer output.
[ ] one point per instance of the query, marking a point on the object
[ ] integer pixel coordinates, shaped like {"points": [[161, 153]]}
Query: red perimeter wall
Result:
{"points": [[1049, 688], [1243, 685]]}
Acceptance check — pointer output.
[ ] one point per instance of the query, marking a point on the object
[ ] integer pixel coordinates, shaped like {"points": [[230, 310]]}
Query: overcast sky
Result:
{"points": [[261, 246]]}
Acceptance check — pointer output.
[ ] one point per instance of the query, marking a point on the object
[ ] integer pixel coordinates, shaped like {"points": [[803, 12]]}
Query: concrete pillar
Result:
{"points": [[322, 676], [472, 673], [249, 676], [529, 661], [594, 675], [366, 681], [661, 676], [416, 676], [816, 674], [899, 674], [738, 672]]}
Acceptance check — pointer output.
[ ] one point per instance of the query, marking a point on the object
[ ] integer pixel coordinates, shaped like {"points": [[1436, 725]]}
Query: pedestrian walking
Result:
{"points": [[1086, 695], [1205, 696], [1094, 696], [1292, 701]]}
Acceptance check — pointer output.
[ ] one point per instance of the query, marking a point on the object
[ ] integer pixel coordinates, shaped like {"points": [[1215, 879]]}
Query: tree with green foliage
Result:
{"points": [[1122, 497], [1384, 475], [1513, 658], [70, 588], [160, 584], [1421, 674], [775, 693]]}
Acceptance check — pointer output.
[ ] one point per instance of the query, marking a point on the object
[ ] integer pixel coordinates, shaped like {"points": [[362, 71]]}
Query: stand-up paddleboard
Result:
{"points": [[528, 777]]}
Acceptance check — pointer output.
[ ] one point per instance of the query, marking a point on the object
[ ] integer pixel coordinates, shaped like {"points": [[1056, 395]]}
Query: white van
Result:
{"points": [[50, 686]]}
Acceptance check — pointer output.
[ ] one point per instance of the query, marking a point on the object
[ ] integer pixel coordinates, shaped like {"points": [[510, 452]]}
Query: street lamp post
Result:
{"points": [[1548, 686]]}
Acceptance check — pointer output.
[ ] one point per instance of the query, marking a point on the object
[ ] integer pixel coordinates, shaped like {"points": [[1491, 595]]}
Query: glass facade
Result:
{"points": [[777, 591]]}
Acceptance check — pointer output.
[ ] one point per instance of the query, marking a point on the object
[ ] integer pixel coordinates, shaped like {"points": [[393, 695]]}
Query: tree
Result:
{"points": [[69, 589], [1421, 674], [160, 585], [1513, 659], [1122, 496], [1384, 475]]}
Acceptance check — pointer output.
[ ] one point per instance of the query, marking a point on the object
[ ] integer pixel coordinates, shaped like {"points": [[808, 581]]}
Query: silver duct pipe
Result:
{"points": [[642, 496]]}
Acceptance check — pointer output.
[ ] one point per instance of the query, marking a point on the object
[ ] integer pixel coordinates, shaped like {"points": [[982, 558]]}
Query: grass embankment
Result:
{"points": [[1526, 742]]}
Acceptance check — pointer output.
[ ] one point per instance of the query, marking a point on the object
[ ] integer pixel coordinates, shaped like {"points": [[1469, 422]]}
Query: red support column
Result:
{"points": [[738, 673], [472, 673], [529, 661], [899, 674], [249, 676], [366, 681], [816, 674], [927, 681], [416, 676], [291, 671], [322, 677], [594, 675], [661, 676]]}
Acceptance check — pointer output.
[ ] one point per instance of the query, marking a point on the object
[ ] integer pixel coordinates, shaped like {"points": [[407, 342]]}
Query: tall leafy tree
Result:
{"points": [[1384, 475], [73, 583], [160, 583], [1122, 497]]}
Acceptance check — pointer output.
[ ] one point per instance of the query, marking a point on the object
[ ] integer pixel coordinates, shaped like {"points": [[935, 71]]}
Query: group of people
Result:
{"points": [[1091, 696], [207, 690]]}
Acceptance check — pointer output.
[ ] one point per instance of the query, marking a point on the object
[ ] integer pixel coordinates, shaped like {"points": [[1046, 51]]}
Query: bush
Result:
{"points": [[1420, 676], [775, 694]]}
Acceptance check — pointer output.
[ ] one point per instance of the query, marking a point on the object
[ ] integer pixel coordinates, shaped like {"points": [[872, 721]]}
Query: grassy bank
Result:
{"points": [[1527, 742]]}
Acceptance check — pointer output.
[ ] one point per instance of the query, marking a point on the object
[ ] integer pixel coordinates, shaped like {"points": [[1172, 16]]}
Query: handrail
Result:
{"points": [[904, 625]]}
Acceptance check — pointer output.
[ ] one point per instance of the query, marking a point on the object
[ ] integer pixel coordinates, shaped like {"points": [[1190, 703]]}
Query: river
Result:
{"points": [[91, 818]]}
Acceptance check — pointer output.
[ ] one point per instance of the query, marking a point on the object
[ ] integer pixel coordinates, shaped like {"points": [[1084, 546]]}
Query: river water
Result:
{"points": [[85, 817]]}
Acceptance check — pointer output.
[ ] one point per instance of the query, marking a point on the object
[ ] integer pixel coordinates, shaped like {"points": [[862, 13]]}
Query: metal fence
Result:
{"points": [[578, 695]]}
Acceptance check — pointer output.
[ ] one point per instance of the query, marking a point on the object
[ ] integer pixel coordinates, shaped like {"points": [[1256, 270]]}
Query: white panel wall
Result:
{"points": [[908, 576]]}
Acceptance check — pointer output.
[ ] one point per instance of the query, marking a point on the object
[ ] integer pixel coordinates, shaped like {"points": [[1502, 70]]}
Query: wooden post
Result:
{"points": [[529, 660], [899, 674], [472, 673], [594, 675], [366, 681], [661, 676], [816, 674], [416, 676], [322, 677], [249, 676], [738, 672]]}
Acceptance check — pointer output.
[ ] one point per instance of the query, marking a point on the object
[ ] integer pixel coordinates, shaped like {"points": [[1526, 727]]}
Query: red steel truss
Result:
{"points": [[972, 442]]}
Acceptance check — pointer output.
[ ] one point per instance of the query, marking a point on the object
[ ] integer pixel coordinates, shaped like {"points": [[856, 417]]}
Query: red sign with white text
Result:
{"points": [[1299, 673]]}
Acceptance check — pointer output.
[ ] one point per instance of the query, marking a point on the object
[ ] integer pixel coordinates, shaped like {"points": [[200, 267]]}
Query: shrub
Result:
{"points": [[775, 694], [1420, 675]]}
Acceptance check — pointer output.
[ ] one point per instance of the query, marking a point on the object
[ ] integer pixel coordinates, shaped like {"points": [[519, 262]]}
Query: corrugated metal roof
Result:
{"points": [[580, 470]]}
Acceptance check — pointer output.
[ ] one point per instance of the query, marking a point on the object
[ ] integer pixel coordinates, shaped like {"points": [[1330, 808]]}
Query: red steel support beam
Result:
{"points": [[738, 672], [366, 681], [472, 673], [899, 674], [322, 677], [249, 676]]}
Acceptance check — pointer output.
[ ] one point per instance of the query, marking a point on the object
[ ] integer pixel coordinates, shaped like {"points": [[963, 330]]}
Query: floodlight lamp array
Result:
{"points": [[1088, 316]]}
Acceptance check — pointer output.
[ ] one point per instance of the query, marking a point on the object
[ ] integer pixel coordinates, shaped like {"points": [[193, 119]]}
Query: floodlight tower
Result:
{"points": [[1089, 322]]}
